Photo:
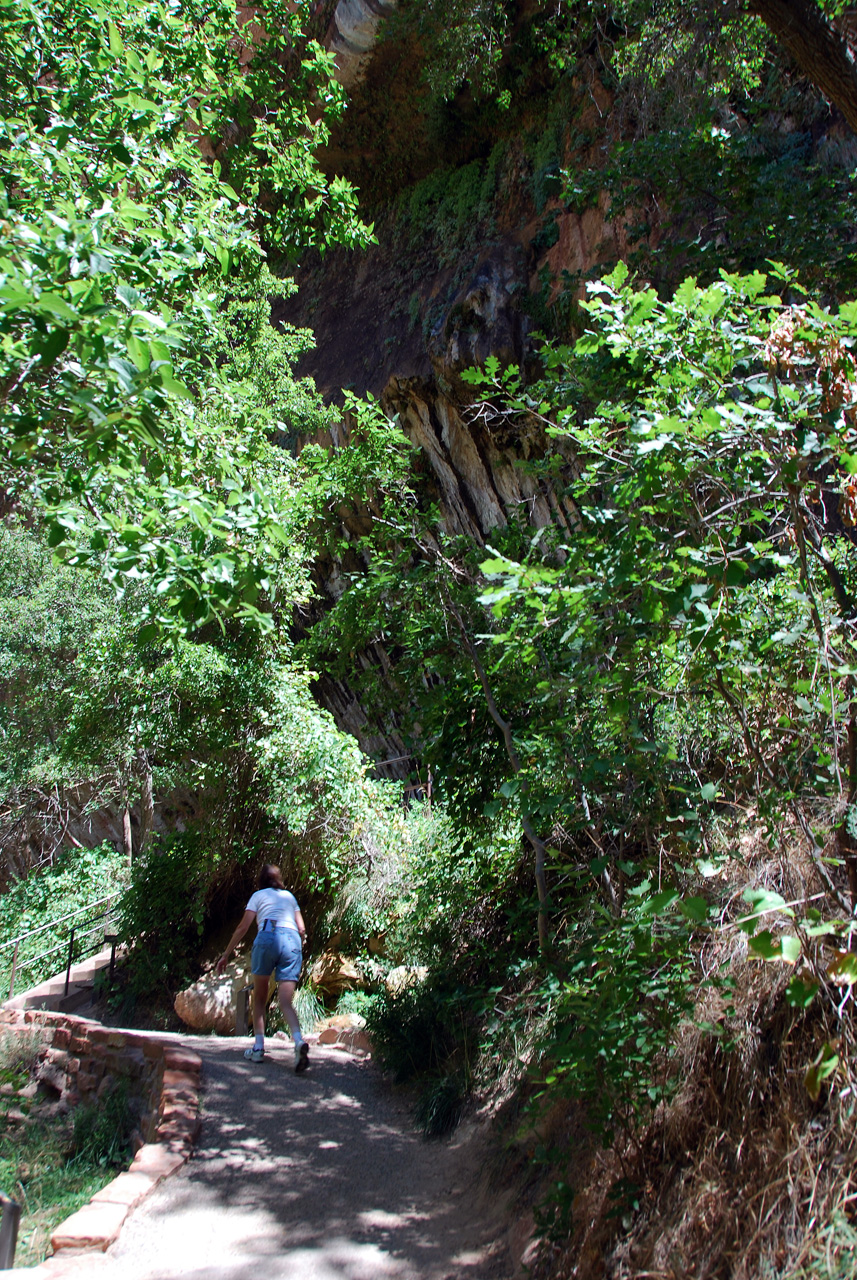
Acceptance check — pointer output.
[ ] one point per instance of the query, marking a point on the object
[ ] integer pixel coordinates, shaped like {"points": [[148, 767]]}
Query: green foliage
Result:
{"points": [[440, 1104], [699, 561], [102, 1130], [162, 914], [616, 999], [712, 196], [359, 1002], [124, 424], [417, 1029], [452, 211], [76, 878], [38, 1166]]}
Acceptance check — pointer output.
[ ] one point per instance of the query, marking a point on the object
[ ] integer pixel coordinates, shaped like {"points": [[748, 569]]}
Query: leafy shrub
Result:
{"points": [[440, 1104], [419, 1028], [102, 1129], [162, 914], [360, 1002], [308, 1006]]}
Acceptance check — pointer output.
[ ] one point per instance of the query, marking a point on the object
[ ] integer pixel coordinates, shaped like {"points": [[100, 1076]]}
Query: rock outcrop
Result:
{"points": [[333, 973], [353, 34], [209, 1004]]}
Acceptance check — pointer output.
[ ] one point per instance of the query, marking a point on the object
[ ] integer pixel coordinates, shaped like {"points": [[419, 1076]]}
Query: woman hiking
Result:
{"points": [[277, 949]]}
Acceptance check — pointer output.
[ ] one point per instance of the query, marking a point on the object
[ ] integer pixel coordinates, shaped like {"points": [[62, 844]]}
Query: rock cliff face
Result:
{"points": [[470, 460], [353, 34]]}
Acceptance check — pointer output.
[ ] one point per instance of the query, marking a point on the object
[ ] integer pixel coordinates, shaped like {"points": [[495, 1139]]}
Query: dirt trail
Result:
{"points": [[313, 1177]]}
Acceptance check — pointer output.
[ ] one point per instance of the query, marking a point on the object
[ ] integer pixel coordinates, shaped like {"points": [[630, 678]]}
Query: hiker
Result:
{"points": [[278, 949]]}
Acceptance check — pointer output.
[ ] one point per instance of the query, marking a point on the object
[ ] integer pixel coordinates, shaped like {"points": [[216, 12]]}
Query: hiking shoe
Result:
{"points": [[254, 1055], [301, 1056]]}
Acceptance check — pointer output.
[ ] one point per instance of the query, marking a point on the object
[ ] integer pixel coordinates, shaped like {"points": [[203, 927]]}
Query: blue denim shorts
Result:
{"points": [[277, 951]]}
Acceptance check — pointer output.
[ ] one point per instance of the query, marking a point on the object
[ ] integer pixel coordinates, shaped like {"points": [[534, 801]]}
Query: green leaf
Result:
{"points": [[659, 902], [800, 994], [54, 305], [822, 1068], [695, 909], [843, 968]]}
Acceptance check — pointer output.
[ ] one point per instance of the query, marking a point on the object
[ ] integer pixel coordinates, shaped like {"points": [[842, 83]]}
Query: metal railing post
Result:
{"points": [[70, 958], [11, 1217], [242, 1010], [14, 967]]}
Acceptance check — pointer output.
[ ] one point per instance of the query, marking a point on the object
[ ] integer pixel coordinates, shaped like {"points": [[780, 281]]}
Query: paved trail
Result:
{"points": [[313, 1177]]}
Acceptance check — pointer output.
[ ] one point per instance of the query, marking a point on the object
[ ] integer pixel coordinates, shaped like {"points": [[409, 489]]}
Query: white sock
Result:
{"points": [[298, 1039], [259, 1042]]}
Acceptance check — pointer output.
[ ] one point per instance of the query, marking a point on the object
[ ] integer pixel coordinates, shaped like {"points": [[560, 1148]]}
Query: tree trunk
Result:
{"points": [[127, 838], [818, 49], [147, 802]]}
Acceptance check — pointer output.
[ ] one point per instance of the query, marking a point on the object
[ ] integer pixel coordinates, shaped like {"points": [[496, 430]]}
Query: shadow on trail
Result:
{"points": [[318, 1176]]}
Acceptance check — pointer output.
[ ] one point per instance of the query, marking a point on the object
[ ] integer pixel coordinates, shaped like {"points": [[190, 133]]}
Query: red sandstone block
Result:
{"points": [[134, 1039], [155, 1160], [128, 1189], [172, 1109], [95, 1226], [181, 1129], [170, 1099], [182, 1060], [180, 1080], [61, 1038], [87, 1082], [115, 1039], [79, 1044], [73, 1264]]}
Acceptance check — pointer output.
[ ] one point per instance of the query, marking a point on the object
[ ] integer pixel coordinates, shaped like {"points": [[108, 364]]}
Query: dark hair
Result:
{"points": [[270, 877]]}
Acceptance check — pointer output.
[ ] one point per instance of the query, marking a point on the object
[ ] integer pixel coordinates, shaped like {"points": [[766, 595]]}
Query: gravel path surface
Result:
{"points": [[312, 1177]]}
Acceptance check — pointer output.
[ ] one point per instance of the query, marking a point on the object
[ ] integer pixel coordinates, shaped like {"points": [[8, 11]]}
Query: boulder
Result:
{"points": [[209, 1005], [405, 975], [333, 973], [344, 1031]]}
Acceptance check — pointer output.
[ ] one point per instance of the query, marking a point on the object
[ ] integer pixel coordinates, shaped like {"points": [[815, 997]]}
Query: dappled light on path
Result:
{"points": [[319, 1176]]}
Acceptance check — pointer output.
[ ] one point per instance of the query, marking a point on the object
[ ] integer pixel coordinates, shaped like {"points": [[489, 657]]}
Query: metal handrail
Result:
{"points": [[10, 1217], [103, 917], [31, 933]]}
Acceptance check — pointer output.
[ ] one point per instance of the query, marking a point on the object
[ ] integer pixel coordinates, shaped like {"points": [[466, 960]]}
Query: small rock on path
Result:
{"points": [[312, 1177]]}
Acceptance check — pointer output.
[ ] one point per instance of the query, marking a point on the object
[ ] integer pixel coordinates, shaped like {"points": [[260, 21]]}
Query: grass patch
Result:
{"points": [[308, 1006], [52, 1163]]}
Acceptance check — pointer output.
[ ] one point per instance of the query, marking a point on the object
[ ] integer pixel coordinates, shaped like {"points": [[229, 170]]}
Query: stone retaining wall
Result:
{"points": [[80, 1060]]}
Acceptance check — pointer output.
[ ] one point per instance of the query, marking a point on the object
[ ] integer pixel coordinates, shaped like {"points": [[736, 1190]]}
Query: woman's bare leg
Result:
{"points": [[287, 993], [260, 1000]]}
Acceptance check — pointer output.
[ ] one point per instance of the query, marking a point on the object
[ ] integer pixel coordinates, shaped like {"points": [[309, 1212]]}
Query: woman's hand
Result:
{"points": [[221, 964]]}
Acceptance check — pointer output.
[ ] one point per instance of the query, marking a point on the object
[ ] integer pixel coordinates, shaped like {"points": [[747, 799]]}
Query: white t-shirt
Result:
{"points": [[277, 905]]}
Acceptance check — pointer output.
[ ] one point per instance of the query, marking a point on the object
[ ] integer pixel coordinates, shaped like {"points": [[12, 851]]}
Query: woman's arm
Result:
{"points": [[299, 921], [246, 920]]}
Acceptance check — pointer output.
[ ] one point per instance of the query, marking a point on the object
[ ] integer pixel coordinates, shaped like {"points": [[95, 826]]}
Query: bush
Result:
{"points": [[308, 1006], [102, 1129], [419, 1029], [439, 1106], [162, 915], [359, 1002]]}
